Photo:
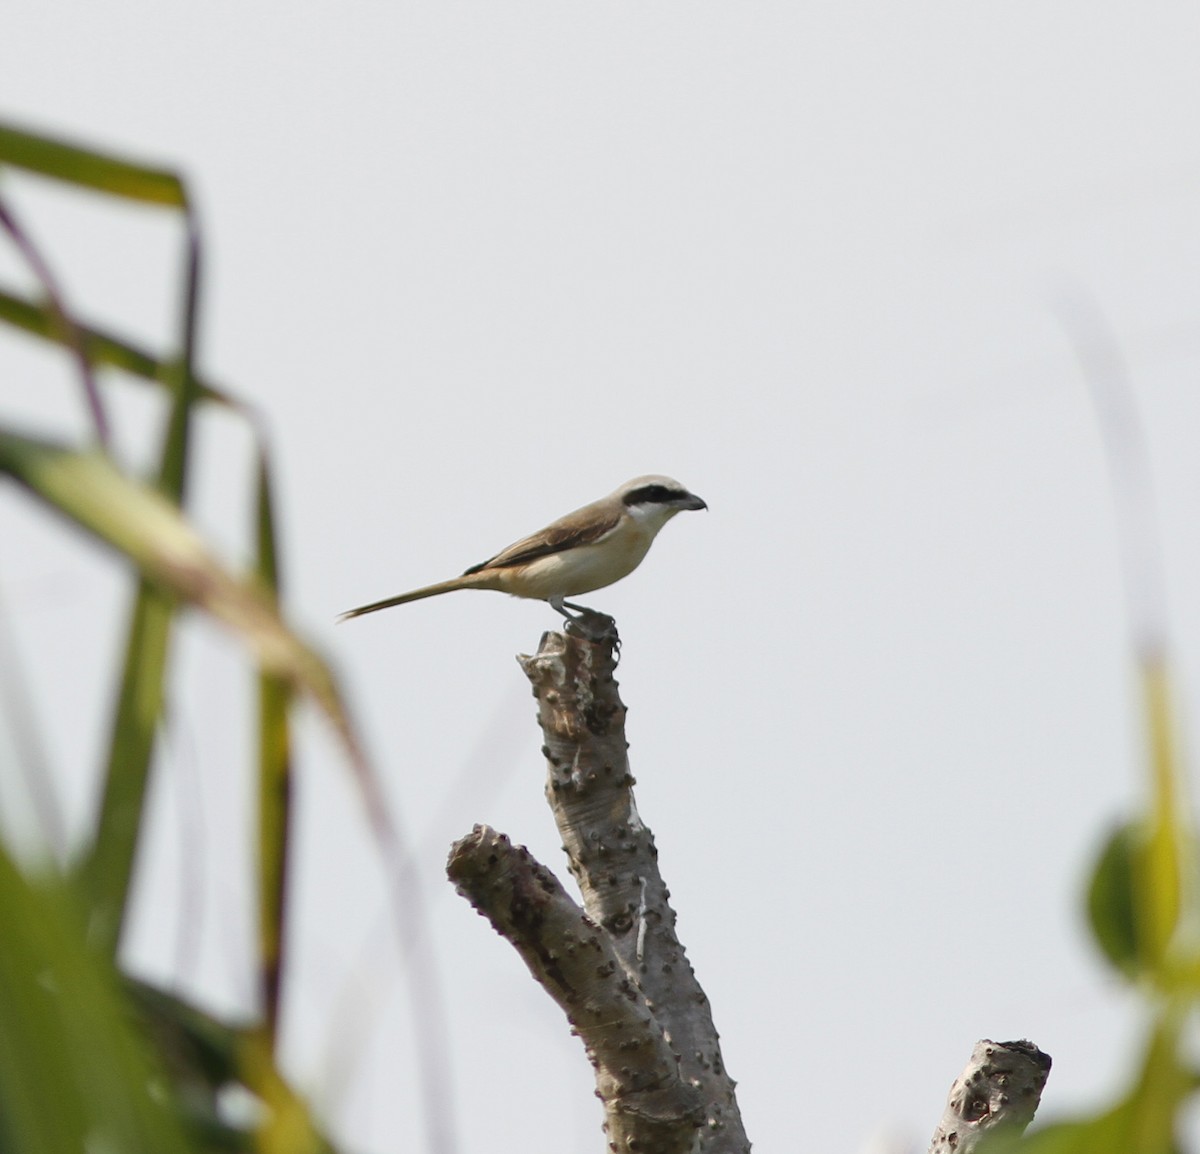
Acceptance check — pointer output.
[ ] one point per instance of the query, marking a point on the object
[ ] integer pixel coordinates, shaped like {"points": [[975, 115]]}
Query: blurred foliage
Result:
{"points": [[88, 1059], [1142, 910]]}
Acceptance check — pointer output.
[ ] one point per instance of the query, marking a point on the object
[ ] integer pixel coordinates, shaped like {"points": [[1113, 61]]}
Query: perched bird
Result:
{"points": [[585, 550]]}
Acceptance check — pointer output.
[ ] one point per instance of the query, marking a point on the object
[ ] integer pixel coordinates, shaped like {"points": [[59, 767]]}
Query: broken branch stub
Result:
{"points": [[999, 1090], [648, 1106]]}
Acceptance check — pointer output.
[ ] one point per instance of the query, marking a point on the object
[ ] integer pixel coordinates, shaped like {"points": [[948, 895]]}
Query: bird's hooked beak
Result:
{"points": [[693, 502]]}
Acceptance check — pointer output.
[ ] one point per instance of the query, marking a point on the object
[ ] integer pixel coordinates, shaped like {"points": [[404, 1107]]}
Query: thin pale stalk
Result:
{"points": [[69, 332]]}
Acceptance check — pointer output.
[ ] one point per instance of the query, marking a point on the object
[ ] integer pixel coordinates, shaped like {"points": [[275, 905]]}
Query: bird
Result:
{"points": [[586, 550]]}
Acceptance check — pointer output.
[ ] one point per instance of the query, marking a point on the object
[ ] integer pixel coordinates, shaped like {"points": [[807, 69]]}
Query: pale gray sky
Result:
{"points": [[480, 263]]}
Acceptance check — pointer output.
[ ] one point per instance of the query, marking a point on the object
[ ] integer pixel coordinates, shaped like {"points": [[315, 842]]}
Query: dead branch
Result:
{"points": [[650, 1107], [616, 966], [999, 1090]]}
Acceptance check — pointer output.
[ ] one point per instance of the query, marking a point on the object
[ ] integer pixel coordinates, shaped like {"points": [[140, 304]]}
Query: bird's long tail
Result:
{"points": [[415, 595]]}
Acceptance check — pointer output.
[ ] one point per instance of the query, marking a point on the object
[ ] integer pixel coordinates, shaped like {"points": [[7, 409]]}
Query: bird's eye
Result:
{"points": [[651, 495]]}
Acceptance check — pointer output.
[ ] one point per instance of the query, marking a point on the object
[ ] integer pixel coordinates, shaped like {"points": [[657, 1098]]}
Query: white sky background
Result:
{"points": [[480, 263]]}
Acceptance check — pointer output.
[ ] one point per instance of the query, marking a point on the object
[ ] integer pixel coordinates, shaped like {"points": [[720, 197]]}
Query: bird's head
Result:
{"points": [[655, 500]]}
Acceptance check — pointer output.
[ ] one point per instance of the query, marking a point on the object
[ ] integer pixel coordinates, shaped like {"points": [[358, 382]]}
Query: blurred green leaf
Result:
{"points": [[1119, 1131], [147, 636], [1099, 1136], [1159, 872], [103, 349], [288, 1126], [1112, 900], [87, 488], [73, 1076], [204, 1054], [90, 169], [1061, 1138], [274, 776], [106, 869], [198, 1049], [146, 525], [1136, 896], [1151, 1113]]}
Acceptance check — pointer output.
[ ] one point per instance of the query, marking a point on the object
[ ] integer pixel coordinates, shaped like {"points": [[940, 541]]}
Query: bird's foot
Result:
{"points": [[593, 626], [587, 623]]}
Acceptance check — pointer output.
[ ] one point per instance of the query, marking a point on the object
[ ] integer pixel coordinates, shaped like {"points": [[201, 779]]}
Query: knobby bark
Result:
{"points": [[615, 966], [999, 1090]]}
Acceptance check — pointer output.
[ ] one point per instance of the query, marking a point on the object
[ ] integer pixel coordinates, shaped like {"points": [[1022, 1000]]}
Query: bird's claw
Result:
{"points": [[593, 626]]}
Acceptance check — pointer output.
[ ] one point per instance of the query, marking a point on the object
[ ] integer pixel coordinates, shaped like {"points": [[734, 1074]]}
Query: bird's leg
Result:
{"points": [[585, 622]]}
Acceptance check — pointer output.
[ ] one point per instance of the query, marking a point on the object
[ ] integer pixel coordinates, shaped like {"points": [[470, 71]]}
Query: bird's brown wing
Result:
{"points": [[567, 533]]}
